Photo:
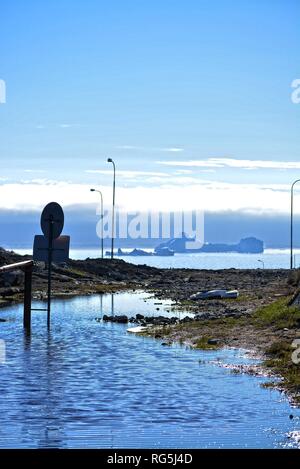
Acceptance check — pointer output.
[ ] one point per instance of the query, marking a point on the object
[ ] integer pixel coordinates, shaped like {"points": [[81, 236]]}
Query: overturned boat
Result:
{"points": [[215, 294]]}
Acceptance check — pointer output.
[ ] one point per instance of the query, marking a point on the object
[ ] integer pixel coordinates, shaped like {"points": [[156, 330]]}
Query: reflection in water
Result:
{"points": [[44, 396], [112, 304], [101, 305], [27, 338], [53, 436], [90, 384]]}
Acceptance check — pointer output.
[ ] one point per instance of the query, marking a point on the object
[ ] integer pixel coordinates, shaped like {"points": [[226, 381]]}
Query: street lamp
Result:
{"points": [[109, 160], [292, 221], [101, 207], [262, 262]]}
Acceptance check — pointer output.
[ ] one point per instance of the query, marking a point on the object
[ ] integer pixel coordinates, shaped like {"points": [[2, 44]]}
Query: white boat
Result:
{"points": [[136, 330], [210, 294]]}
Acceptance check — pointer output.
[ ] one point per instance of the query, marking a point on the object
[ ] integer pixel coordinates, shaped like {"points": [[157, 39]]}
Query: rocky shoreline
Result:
{"points": [[78, 277]]}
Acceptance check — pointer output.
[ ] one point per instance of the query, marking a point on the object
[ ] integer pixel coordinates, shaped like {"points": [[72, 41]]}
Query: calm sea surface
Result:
{"points": [[92, 384], [272, 259]]}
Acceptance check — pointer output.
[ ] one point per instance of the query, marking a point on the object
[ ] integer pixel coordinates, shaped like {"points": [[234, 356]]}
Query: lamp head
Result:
{"points": [[109, 160], [92, 190]]}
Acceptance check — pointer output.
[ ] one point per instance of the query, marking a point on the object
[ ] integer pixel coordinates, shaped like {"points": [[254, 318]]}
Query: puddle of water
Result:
{"points": [[87, 384]]}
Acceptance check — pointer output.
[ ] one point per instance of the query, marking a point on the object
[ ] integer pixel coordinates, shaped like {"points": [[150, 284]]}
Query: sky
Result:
{"points": [[192, 100]]}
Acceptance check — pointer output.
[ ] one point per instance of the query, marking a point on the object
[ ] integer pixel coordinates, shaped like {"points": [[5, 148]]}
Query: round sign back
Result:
{"points": [[52, 215]]}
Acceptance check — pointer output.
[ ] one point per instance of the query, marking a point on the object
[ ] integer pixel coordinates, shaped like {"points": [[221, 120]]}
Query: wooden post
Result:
{"points": [[27, 297], [27, 267]]}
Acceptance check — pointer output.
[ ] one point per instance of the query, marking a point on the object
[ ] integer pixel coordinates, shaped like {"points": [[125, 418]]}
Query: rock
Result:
{"points": [[161, 320], [186, 319], [12, 279], [139, 316], [9, 291], [121, 319], [213, 341], [148, 319], [174, 320], [202, 316]]}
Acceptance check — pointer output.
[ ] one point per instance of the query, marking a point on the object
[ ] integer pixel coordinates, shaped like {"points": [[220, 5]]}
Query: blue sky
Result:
{"points": [[189, 97]]}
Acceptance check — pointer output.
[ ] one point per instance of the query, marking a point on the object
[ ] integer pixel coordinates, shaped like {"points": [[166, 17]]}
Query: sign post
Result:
{"points": [[51, 247]]}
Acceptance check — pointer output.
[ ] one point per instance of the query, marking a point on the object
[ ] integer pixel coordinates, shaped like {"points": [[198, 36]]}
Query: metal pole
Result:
{"points": [[112, 304], [292, 202], [292, 223], [113, 213], [101, 209], [262, 263], [102, 254], [51, 221], [113, 208], [101, 305], [27, 297]]}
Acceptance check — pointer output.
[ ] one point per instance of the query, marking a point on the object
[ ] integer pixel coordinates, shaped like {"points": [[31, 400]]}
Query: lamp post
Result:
{"points": [[262, 263], [101, 207], [292, 221], [109, 160]]}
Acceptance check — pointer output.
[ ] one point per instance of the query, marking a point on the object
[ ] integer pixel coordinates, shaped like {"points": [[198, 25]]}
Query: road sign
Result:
{"points": [[60, 249], [51, 247], [52, 220]]}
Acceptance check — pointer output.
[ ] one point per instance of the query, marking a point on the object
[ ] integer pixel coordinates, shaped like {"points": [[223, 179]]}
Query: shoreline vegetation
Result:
{"points": [[264, 319]]}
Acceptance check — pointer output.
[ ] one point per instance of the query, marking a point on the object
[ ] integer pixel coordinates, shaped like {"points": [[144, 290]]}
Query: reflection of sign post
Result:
{"points": [[51, 247]]}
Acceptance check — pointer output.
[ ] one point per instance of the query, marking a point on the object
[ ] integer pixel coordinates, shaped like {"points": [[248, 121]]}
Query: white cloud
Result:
{"points": [[150, 149], [211, 196], [172, 150], [234, 163], [128, 147], [184, 171], [126, 173]]}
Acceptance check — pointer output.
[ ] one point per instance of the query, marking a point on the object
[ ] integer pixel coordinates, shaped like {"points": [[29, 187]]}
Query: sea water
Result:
{"points": [[91, 384]]}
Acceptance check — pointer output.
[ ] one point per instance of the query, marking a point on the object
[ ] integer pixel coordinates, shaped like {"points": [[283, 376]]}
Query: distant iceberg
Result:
{"points": [[249, 245]]}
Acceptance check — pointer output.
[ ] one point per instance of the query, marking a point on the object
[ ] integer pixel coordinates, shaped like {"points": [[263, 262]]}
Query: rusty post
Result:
{"points": [[27, 267], [27, 297]]}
